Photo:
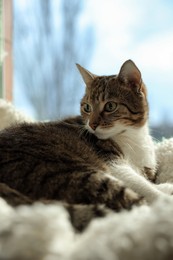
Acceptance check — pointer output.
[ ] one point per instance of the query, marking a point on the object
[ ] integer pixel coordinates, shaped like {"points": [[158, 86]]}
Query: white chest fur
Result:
{"points": [[138, 147]]}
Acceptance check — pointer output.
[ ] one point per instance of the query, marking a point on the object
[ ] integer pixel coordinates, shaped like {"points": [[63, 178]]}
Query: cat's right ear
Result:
{"points": [[87, 76], [130, 75]]}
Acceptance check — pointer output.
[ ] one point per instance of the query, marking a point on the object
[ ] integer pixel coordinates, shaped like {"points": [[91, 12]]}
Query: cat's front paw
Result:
{"points": [[165, 187], [131, 198]]}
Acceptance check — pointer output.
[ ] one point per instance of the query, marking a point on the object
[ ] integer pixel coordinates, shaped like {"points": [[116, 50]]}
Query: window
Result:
{"points": [[6, 79]]}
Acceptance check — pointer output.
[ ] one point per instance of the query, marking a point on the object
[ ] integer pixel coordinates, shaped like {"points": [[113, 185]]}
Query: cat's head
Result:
{"points": [[113, 104]]}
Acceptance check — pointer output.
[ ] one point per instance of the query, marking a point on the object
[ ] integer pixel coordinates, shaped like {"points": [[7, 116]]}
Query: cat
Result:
{"points": [[104, 156], [116, 107]]}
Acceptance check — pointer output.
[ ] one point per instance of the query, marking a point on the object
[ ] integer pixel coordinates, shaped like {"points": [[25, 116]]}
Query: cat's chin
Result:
{"points": [[101, 134], [110, 133]]}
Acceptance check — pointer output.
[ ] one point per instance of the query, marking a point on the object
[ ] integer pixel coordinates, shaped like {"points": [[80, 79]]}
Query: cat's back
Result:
{"points": [[46, 154], [46, 139]]}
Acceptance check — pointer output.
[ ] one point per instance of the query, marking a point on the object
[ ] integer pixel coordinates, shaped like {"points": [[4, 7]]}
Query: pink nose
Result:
{"points": [[93, 125]]}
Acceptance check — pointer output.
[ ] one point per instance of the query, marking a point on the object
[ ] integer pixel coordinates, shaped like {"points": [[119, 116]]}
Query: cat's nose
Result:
{"points": [[93, 125]]}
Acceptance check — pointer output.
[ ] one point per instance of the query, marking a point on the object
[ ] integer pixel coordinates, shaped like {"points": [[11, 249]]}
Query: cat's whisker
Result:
{"points": [[155, 139], [86, 134], [130, 146], [82, 131]]}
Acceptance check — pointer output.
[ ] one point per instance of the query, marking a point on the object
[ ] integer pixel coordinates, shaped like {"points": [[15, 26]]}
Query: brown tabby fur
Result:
{"points": [[63, 161], [55, 161], [133, 110]]}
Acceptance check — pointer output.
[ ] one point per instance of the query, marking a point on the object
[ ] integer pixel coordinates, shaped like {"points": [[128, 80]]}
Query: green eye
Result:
{"points": [[87, 108], [110, 106]]}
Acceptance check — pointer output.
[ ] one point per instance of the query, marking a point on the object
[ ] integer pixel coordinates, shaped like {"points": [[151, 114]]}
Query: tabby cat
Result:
{"points": [[105, 156]]}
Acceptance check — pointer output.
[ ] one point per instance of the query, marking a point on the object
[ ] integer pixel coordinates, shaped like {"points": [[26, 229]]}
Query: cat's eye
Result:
{"points": [[87, 108], [110, 106]]}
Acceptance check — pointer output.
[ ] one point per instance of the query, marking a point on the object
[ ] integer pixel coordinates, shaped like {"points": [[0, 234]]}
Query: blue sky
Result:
{"points": [[139, 30], [142, 31]]}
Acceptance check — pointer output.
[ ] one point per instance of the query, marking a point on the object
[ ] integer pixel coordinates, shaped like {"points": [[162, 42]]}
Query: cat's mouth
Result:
{"points": [[104, 134], [98, 132]]}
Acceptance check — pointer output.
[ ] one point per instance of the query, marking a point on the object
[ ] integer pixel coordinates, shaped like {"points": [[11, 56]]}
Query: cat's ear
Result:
{"points": [[130, 74], [87, 76]]}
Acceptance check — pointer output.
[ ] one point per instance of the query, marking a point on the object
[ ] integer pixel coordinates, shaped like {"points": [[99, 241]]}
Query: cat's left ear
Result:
{"points": [[87, 76], [130, 74]]}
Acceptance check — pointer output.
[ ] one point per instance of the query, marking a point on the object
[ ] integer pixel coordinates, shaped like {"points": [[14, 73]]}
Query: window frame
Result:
{"points": [[6, 70]]}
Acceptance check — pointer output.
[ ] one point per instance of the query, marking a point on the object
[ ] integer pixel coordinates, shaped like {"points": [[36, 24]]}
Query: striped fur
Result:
{"points": [[75, 160], [56, 161]]}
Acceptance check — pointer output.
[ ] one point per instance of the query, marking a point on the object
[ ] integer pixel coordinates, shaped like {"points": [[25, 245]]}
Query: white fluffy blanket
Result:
{"points": [[44, 232], [10, 115]]}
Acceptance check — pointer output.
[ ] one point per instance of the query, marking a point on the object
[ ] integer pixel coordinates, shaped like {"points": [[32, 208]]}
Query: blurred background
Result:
{"points": [[50, 36]]}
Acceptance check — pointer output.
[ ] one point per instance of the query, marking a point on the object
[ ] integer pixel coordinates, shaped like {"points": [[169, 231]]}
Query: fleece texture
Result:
{"points": [[44, 232], [10, 115]]}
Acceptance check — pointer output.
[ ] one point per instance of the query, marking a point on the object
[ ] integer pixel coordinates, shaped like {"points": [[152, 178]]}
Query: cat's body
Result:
{"points": [[89, 159], [56, 161]]}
